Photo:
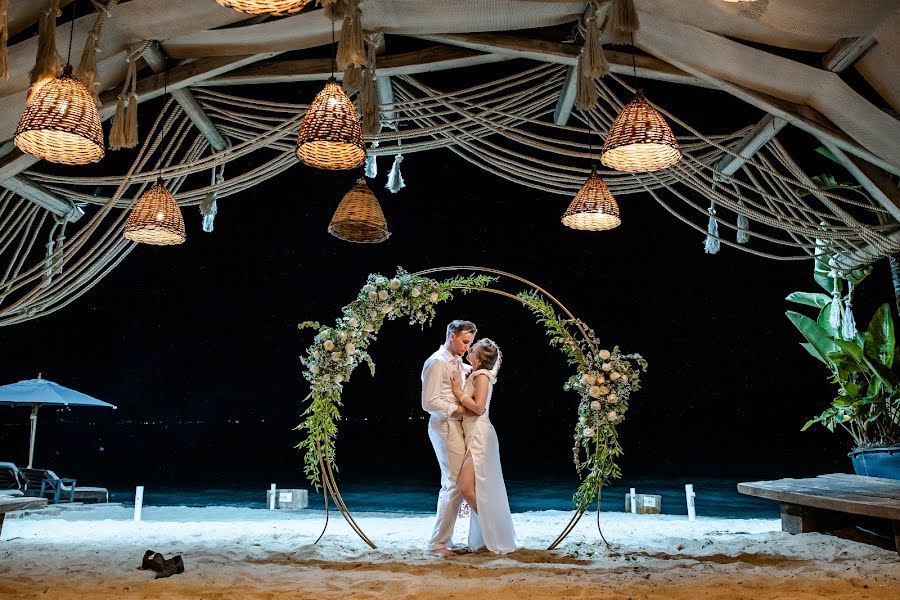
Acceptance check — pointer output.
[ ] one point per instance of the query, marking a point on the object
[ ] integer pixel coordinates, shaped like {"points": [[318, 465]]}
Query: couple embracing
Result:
{"points": [[458, 397]]}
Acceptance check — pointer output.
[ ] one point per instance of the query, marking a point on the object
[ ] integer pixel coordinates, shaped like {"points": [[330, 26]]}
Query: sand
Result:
{"points": [[248, 553]]}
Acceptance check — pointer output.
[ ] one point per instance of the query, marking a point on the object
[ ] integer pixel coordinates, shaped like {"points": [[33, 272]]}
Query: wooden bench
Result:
{"points": [[11, 503], [825, 502]]}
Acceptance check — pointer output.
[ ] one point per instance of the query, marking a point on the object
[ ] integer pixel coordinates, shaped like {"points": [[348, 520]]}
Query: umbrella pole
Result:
{"points": [[34, 410]]}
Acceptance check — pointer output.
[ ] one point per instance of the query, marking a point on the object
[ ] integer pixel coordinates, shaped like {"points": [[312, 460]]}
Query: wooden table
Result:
{"points": [[11, 503], [820, 503]]}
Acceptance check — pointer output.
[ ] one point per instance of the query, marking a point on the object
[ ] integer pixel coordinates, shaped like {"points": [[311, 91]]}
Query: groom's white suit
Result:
{"points": [[446, 434]]}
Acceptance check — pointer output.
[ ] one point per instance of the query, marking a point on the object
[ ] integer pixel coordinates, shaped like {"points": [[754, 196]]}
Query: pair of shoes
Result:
{"points": [[152, 561], [172, 566], [440, 552]]}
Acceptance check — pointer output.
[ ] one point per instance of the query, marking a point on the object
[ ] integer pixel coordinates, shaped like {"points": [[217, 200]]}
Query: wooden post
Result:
{"points": [[798, 519], [138, 502], [272, 497], [690, 495], [633, 501]]}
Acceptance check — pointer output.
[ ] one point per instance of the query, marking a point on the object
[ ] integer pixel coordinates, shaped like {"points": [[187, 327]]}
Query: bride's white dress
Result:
{"points": [[492, 527]]}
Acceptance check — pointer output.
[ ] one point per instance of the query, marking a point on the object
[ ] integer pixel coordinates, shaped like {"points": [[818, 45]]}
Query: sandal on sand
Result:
{"points": [[152, 561], [172, 566]]}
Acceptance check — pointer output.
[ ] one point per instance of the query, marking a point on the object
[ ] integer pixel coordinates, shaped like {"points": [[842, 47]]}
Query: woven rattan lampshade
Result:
{"points": [[593, 208], [358, 217], [277, 8], [330, 135], [640, 140], [61, 123], [156, 218]]}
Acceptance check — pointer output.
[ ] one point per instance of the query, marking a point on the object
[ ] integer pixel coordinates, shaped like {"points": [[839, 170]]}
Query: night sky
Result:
{"points": [[198, 344]]}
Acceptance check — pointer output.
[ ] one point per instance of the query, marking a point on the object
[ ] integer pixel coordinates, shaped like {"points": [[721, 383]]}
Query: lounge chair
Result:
{"points": [[12, 483], [44, 483]]}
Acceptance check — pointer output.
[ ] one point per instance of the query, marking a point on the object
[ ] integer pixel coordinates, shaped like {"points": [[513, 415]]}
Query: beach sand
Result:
{"points": [[249, 553]]}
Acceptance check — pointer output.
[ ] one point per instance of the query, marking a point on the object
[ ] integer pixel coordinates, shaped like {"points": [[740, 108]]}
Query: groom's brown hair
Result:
{"points": [[459, 326]]}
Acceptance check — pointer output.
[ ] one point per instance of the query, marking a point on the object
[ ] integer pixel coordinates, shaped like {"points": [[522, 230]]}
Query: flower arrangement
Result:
{"points": [[604, 379]]}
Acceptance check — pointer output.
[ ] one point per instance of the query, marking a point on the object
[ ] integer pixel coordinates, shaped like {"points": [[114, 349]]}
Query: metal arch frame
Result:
{"points": [[329, 484]]}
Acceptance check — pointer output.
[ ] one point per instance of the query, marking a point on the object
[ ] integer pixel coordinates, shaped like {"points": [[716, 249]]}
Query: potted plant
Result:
{"points": [[862, 364]]}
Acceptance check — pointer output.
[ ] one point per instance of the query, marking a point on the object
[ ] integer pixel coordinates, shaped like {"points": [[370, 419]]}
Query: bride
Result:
{"points": [[481, 478]]}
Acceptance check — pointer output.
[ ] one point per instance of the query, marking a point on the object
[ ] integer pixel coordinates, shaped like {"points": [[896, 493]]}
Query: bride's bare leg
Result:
{"points": [[466, 481]]}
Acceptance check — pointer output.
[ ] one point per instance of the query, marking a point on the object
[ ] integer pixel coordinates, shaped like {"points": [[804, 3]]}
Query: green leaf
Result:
{"points": [[828, 154], [821, 269], [814, 334], [812, 350], [879, 344], [810, 299], [824, 321]]}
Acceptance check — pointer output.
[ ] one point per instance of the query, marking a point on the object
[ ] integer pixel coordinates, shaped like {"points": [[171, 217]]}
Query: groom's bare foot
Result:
{"points": [[440, 552]]}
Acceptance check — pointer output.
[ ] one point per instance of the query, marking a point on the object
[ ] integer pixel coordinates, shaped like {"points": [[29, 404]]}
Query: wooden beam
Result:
{"points": [[41, 196], [155, 57], [437, 58], [846, 52], [875, 181], [385, 91], [648, 67], [841, 56], [566, 97]]}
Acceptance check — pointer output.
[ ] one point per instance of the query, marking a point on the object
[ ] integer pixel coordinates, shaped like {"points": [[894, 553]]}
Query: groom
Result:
{"points": [[445, 426]]}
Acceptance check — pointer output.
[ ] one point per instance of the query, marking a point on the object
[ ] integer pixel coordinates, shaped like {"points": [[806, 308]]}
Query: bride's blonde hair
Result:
{"points": [[489, 355]]}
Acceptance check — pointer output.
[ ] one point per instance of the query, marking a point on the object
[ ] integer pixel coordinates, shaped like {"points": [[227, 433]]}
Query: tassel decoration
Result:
{"points": [[586, 90], [335, 10], [371, 166], [837, 309], [595, 63], [848, 323], [368, 103], [712, 244], [49, 62], [395, 179], [743, 228], [208, 207], [87, 68], [622, 21], [123, 133], [4, 37], [351, 49], [353, 80]]}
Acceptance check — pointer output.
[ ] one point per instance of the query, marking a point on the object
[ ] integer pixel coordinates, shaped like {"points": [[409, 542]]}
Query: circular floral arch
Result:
{"points": [[603, 378]]}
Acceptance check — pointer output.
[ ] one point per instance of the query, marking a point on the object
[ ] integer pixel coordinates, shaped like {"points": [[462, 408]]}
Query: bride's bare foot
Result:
{"points": [[440, 552]]}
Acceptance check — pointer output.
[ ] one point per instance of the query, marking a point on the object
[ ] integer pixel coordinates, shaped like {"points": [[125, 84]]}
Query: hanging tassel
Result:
{"points": [[208, 207], [371, 167], [595, 63], [131, 118], [353, 80], [622, 21], [837, 309], [49, 62], [586, 90], [123, 132], [848, 324], [368, 103], [335, 10], [351, 49], [395, 180], [87, 68], [743, 229], [711, 246], [48, 263], [4, 37]]}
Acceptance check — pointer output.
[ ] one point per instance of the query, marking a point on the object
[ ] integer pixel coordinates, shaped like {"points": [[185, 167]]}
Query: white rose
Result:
{"points": [[433, 296], [604, 390], [382, 294], [415, 292], [387, 308], [335, 356], [607, 367], [395, 284], [353, 323], [381, 281], [338, 378], [342, 336], [373, 296], [329, 345], [589, 378], [613, 398], [369, 327], [614, 375], [601, 378], [314, 369], [595, 405], [588, 432], [612, 415], [594, 391], [604, 354], [350, 348], [369, 287]]}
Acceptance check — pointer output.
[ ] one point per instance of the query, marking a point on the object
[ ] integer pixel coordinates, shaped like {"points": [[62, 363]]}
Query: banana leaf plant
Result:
{"points": [[867, 404]]}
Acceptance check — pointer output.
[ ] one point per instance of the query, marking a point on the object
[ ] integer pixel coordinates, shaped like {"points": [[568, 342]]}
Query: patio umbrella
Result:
{"points": [[42, 392]]}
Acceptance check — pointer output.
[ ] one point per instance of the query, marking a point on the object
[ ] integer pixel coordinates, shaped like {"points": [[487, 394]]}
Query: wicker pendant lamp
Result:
{"points": [[156, 218], [640, 140], [276, 8], [593, 208], [61, 123], [330, 134], [359, 218]]}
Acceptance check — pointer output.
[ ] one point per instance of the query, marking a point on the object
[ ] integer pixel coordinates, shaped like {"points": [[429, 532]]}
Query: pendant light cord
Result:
{"points": [[634, 64], [71, 34], [332, 50]]}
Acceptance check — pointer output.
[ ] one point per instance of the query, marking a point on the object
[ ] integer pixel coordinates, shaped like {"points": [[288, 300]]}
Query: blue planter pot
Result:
{"points": [[877, 462]]}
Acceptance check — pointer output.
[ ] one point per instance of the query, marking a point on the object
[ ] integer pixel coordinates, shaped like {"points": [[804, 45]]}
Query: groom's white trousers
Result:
{"points": [[449, 443]]}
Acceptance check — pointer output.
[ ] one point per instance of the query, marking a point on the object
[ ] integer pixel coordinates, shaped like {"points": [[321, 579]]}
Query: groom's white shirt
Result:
{"points": [[437, 391]]}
